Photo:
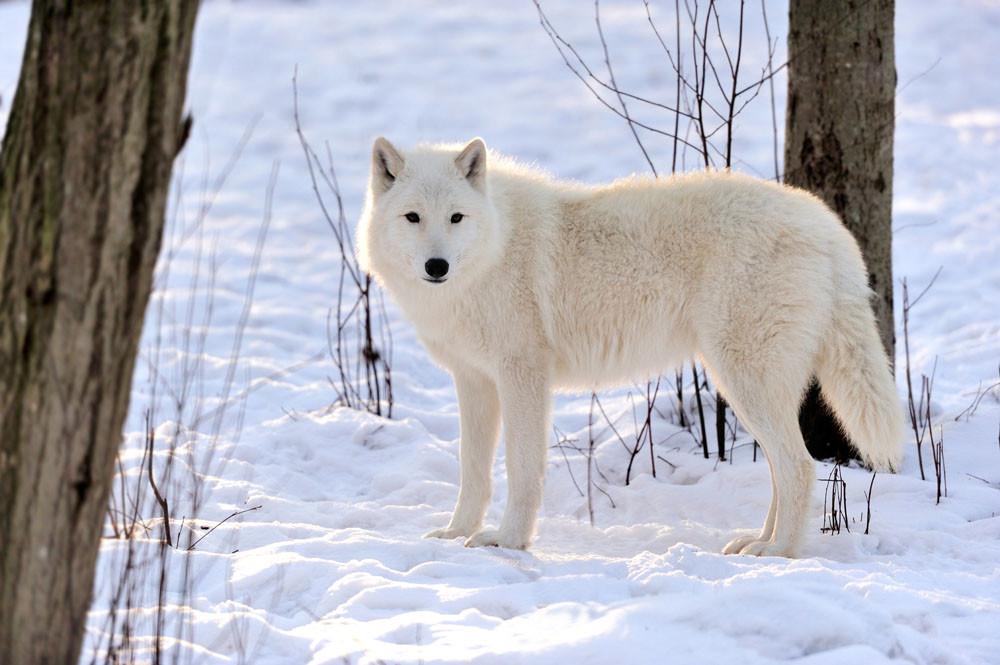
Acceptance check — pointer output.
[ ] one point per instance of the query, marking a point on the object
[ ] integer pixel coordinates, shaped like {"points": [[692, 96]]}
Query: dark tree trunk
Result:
{"points": [[84, 172], [838, 145]]}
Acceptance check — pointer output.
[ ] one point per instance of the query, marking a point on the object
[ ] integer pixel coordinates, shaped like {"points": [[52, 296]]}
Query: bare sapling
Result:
{"points": [[187, 436], [681, 408], [701, 410], [358, 334], [992, 389], [564, 444], [644, 433], [834, 502], [591, 462], [937, 447], [590, 457], [915, 406], [868, 503]]}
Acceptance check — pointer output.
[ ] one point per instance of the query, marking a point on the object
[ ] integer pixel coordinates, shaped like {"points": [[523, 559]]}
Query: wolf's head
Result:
{"points": [[428, 221]]}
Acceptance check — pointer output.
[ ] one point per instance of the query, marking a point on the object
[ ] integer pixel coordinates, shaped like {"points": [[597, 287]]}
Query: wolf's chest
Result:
{"points": [[454, 326]]}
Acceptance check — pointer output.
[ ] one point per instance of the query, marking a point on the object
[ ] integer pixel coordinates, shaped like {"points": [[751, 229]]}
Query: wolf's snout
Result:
{"points": [[436, 268]]}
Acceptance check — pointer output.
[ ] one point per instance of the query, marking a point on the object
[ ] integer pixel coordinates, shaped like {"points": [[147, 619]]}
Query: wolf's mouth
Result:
{"points": [[436, 280]]}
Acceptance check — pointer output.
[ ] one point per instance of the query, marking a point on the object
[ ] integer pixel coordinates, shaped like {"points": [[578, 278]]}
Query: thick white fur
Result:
{"points": [[554, 285]]}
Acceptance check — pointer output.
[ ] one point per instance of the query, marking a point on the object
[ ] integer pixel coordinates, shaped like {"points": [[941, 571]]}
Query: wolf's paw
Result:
{"points": [[493, 538], [754, 546], [448, 533], [736, 545]]}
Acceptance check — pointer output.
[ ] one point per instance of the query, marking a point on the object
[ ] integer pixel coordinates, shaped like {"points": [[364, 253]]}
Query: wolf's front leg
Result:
{"points": [[479, 418], [525, 402]]}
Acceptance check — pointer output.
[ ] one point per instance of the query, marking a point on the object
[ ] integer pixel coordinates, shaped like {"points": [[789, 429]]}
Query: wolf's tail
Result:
{"points": [[856, 380]]}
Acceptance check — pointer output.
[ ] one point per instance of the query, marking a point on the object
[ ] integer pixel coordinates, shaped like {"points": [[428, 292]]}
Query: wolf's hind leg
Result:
{"points": [[777, 429], [767, 401], [479, 416], [736, 545]]}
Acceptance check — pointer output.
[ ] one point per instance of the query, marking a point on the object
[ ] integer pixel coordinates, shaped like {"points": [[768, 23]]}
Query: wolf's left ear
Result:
{"points": [[471, 163], [386, 165]]}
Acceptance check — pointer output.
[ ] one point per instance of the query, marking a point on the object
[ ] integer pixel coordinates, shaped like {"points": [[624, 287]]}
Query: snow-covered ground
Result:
{"points": [[332, 568]]}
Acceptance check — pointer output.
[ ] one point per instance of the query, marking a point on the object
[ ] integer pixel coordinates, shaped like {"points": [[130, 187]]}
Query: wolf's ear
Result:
{"points": [[471, 163], [386, 165]]}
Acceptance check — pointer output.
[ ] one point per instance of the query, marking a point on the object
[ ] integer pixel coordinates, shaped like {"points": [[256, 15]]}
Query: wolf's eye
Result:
{"points": [[456, 218], [412, 217]]}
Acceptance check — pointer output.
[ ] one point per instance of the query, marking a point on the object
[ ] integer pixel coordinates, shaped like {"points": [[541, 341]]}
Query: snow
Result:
{"points": [[331, 568]]}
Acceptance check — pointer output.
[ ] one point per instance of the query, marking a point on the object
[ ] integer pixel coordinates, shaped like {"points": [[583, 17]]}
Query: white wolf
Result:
{"points": [[519, 285]]}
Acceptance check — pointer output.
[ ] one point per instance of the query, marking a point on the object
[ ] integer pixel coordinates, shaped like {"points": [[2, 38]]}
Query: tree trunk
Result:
{"points": [[84, 172], [838, 145]]}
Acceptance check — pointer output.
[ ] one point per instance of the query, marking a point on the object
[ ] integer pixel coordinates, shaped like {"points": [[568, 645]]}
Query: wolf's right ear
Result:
{"points": [[471, 163], [386, 165]]}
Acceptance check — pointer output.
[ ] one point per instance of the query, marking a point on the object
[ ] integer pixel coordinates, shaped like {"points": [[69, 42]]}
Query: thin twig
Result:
{"points": [[231, 516]]}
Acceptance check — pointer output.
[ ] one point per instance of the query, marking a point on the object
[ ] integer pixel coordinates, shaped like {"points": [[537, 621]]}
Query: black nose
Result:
{"points": [[436, 268]]}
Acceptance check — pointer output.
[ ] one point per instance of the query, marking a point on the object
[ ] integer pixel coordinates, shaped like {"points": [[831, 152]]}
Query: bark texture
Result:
{"points": [[838, 145], [84, 173]]}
